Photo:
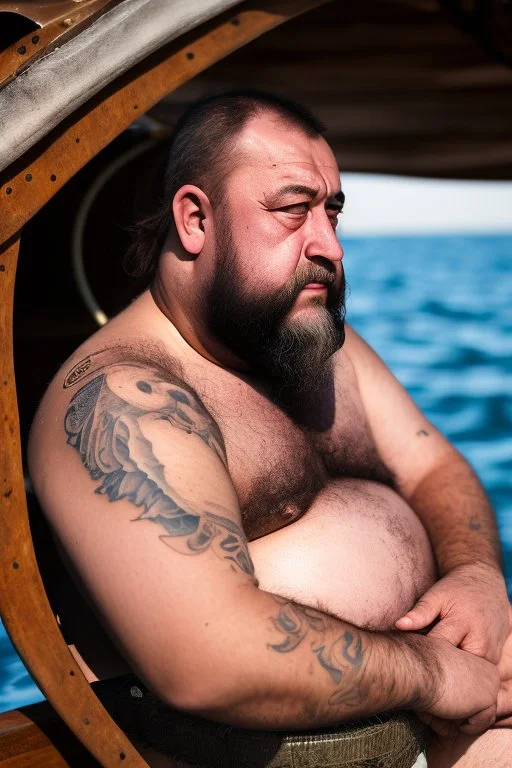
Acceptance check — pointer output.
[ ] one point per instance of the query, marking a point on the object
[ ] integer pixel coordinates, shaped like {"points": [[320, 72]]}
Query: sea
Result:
{"points": [[438, 309]]}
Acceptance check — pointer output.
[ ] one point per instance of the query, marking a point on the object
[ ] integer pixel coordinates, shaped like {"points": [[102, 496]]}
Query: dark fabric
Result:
{"points": [[387, 741]]}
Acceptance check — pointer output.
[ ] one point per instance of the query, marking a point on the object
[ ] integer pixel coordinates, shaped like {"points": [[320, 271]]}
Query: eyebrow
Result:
{"points": [[301, 189], [339, 198]]}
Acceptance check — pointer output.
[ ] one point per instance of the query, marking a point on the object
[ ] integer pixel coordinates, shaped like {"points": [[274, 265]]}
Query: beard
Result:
{"points": [[289, 353]]}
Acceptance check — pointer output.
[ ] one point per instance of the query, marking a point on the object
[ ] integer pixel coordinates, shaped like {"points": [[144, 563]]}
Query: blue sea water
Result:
{"points": [[438, 309]]}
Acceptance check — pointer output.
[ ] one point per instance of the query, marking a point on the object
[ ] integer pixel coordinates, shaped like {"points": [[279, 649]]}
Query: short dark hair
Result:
{"points": [[202, 152]]}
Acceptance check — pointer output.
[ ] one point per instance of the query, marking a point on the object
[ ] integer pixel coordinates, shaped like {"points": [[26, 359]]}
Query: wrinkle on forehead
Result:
{"points": [[268, 143]]}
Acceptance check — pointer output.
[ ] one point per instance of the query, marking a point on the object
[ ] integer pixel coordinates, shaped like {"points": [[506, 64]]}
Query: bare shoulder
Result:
{"points": [[347, 360], [355, 347], [141, 434], [361, 359], [130, 469], [138, 377]]}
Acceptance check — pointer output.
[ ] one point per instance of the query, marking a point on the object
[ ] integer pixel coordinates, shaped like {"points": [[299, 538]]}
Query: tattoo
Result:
{"points": [[107, 423], [423, 433], [298, 622], [79, 371]]}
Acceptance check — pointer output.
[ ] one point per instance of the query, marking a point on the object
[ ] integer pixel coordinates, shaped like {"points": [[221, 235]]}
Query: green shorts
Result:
{"points": [[392, 740]]}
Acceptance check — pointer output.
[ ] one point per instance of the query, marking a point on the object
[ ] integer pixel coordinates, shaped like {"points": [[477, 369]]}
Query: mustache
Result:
{"points": [[313, 273]]}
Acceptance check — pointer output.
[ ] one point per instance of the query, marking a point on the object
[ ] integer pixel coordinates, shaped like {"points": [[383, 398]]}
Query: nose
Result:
{"points": [[322, 241]]}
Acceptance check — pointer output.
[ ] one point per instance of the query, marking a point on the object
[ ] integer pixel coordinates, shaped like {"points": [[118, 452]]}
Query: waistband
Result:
{"points": [[391, 740]]}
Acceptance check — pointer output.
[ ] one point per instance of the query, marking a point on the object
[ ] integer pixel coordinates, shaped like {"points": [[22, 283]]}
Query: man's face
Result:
{"points": [[277, 295]]}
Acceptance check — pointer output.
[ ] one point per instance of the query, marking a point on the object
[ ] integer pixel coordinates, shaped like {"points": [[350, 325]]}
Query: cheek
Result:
{"points": [[271, 253]]}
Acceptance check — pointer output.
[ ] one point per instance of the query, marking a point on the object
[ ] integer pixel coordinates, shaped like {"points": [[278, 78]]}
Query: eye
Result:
{"points": [[333, 212], [297, 209]]}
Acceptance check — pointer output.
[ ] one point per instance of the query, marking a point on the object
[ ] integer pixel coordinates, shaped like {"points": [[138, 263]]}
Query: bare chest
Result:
{"points": [[281, 458]]}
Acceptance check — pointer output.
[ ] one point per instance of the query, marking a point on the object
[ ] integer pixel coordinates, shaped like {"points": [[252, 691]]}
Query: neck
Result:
{"points": [[192, 330]]}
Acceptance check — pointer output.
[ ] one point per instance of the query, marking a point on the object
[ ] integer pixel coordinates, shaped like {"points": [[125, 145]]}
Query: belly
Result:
{"points": [[359, 553]]}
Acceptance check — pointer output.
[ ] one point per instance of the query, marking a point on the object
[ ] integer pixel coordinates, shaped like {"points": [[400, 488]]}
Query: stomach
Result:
{"points": [[359, 553]]}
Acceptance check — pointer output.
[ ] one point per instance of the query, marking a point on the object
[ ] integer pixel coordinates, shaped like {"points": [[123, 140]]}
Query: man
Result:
{"points": [[259, 514]]}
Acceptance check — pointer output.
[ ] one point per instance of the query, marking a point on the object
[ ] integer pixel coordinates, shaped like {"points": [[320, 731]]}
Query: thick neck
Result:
{"points": [[191, 327]]}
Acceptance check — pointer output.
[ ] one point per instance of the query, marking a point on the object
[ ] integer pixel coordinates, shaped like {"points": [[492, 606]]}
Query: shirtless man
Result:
{"points": [[258, 512]]}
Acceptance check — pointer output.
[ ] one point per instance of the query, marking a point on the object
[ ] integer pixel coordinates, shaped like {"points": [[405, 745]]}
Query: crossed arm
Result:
{"points": [[149, 517], [469, 603]]}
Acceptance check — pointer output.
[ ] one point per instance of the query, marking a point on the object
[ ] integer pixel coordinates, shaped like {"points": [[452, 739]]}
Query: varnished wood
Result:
{"points": [[35, 178], [24, 606], [56, 29], [400, 88], [35, 737], [23, 743]]}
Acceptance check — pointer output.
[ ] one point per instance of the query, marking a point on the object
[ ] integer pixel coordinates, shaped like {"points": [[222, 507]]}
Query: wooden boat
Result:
{"points": [[405, 86]]}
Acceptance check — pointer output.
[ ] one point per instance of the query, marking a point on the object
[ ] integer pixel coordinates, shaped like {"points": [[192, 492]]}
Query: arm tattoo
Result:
{"points": [[336, 656], [107, 423]]}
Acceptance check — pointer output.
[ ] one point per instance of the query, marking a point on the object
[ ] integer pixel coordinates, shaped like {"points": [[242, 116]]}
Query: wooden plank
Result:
{"points": [[36, 736], [23, 743]]}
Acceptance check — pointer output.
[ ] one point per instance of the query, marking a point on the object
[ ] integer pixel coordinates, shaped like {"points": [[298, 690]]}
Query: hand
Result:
{"points": [[466, 694], [472, 606]]}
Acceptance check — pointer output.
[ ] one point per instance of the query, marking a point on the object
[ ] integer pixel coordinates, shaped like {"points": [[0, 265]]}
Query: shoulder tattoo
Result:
{"points": [[105, 424]]}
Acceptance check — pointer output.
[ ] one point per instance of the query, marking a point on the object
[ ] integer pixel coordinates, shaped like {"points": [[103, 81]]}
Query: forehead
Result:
{"points": [[273, 152]]}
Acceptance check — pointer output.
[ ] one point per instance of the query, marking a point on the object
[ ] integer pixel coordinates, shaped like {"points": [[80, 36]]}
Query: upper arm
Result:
{"points": [[408, 442], [131, 471]]}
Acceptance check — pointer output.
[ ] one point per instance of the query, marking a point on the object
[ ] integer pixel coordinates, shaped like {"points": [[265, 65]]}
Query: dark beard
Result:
{"points": [[287, 353]]}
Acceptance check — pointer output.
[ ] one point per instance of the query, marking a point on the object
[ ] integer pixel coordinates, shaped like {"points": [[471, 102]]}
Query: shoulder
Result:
{"points": [[109, 390]]}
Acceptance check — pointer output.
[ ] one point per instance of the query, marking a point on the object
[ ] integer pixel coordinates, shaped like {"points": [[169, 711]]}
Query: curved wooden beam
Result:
{"points": [[24, 606], [25, 187]]}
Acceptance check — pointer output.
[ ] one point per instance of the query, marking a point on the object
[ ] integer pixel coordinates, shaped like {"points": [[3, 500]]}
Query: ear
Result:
{"points": [[190, 208]]}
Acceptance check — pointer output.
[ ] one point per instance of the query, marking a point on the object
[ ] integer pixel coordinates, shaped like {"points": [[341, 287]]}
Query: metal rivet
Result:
{"points": [[85, 721], [53, 177], [15, 565], [28, 177], [122, 756], [35, 39], [190, 55], [67, 22], [235, 22], [2, 267], [8, 191], [22, 49]]}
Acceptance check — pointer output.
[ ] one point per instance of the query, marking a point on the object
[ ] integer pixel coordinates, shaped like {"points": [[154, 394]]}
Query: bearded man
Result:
{"points": [[271, 533]]}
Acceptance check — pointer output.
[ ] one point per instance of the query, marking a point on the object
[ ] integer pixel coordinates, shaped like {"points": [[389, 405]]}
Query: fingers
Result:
{"points": [[419, 617], [480, 722], [449, 630]]}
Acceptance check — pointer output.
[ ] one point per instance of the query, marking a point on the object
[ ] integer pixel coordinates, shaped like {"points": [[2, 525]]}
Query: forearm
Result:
{"points": [[455, 510], [290, 667]]}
